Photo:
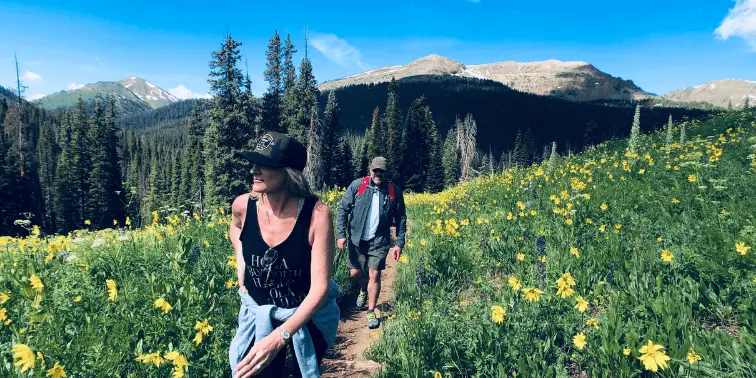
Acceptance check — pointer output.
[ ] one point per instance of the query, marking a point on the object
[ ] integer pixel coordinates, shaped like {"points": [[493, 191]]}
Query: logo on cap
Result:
{"points": [[265, 142]]}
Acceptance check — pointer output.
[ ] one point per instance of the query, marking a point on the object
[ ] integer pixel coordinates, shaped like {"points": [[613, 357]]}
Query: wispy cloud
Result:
{"points": [[31, 76], [740, 22], [74, 86], [338, 50], [183, 93]]}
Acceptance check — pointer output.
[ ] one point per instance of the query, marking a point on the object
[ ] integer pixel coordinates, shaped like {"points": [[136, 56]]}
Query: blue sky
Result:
{"points": [[660, 45]]}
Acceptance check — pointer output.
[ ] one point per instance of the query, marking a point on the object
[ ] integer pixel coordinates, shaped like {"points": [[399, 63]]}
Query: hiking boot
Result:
{"points": [[372, 320], [361, 299]]}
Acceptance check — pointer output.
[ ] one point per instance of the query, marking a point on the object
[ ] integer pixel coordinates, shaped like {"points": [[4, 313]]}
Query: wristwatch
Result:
{"points": [[286, 335]]}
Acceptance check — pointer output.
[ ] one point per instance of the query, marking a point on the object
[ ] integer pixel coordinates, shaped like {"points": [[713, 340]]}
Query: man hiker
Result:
{"points": [[369, 206]]}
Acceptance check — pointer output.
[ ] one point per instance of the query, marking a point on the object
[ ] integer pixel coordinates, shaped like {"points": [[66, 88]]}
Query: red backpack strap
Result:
{"points": [[391, 190], [365, 181]]}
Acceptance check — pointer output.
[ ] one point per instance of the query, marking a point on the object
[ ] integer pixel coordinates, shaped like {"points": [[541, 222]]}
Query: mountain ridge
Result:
{"points": [[573, 80], [718, 92]]}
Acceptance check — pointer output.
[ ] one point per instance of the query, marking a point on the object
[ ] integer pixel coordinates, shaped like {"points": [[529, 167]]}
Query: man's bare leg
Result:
{"points": [[374, 288], [361, 279]]}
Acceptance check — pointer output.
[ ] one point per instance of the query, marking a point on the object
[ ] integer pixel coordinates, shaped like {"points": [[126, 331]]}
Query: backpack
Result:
{"points": [[366, 181]]}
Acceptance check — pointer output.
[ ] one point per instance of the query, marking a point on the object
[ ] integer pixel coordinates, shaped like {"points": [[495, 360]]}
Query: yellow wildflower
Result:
{"points": [[532, 294], [588, 220], [742, 248], [497, 314], [56, 371], [520, 256], [693, 356], [692, 178], [542, 259], [423, 242], [78, 298], [604, 206], [437, 374], [574, 251], [25, 357], [151, 358], [581, 304], [162, 304], [653, 357], [675, 200], [403, 259], [579, 340], [627, 351], [112, 290], [514, 283], [36, 283], [592, 322], [4, 297], [602, 228], [667, 256]]}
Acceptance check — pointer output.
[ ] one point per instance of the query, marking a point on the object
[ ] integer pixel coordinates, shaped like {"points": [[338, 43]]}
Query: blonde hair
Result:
{"points": [[296, 184]]}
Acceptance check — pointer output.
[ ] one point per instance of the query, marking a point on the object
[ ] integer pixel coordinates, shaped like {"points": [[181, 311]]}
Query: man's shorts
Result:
{"points": [[368, 255]]}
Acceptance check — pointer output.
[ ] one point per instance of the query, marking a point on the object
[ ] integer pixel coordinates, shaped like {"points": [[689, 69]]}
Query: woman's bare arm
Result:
{"points": [[239, 211]]}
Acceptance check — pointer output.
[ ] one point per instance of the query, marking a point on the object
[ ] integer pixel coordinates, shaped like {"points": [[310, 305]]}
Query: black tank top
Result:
{"points": [[280, 275]]}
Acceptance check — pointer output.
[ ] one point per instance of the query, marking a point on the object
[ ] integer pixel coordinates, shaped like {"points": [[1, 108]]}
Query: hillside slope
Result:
{"points": [[126, 101]]}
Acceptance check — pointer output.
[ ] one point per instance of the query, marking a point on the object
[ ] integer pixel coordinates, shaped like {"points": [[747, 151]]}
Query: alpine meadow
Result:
{"points": [[560, 221]]}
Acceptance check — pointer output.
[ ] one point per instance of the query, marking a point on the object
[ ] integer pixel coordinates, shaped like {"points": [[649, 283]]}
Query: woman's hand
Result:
{"points": [[261, 355]]}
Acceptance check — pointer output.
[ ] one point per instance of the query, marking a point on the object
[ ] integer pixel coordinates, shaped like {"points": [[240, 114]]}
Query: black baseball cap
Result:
{"points": [[277, 150]]}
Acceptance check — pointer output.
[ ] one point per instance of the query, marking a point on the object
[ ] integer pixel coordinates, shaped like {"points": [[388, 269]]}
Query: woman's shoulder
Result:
{"points": [[241, 201]]}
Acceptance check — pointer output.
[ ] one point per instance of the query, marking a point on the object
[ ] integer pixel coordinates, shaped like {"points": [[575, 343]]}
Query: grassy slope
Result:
{"points": [[126, 101], [704, 299]]}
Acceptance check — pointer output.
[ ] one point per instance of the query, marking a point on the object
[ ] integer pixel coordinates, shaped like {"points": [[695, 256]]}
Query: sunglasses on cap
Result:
{"points": [[378, 170]]}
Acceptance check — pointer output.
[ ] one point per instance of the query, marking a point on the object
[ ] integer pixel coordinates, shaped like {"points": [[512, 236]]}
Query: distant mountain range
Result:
{"points": [[718, 92], [576, 81], [133, 95]]}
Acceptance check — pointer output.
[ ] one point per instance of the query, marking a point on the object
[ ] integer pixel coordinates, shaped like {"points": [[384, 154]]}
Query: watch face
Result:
{"points": [[285, 334]]}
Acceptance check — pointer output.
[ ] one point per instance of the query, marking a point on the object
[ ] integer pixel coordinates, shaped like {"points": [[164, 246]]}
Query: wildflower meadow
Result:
{"points": [[614, 262]]}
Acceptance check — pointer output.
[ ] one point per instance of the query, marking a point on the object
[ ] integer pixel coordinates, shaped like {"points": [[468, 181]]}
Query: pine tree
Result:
{"points": [[554, 158], [729, 105], [272, 100], [344, 171], [66, 202], [634, 134], [95, 198], [519, 150], [21, 129], [315, 169], [364, 160], [332, 141], [529, 151], [377, 145], [176, 197], [228, 132], [434, 181], [392, 124], [307, 93], [196, 156], [670, 131], [80, 162], [591, 136], [184, 177], [47, 152], [290, 101], [249, 109], [747, 103], [450, 159], [483, 166]]}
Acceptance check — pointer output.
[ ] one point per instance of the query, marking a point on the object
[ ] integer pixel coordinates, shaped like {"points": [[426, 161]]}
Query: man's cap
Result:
{"points": [[277, 150], [379, 162]]}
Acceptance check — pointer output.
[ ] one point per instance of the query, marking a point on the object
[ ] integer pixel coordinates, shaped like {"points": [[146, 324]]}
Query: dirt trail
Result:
{"points": [[346, 358]]}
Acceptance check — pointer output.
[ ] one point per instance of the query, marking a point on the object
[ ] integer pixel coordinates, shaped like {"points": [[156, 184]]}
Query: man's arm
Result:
{"points": [[345, 209], [400, 217]]}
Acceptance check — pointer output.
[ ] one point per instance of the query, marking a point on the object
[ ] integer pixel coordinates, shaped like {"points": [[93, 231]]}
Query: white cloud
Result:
{"points": [[35, 96], [182, 93], [338, 50], [740, 22], [74, 86], [30, 76]]}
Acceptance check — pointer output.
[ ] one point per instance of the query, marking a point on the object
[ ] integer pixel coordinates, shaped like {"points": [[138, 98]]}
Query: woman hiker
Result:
{"points": [[284, 243]]}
